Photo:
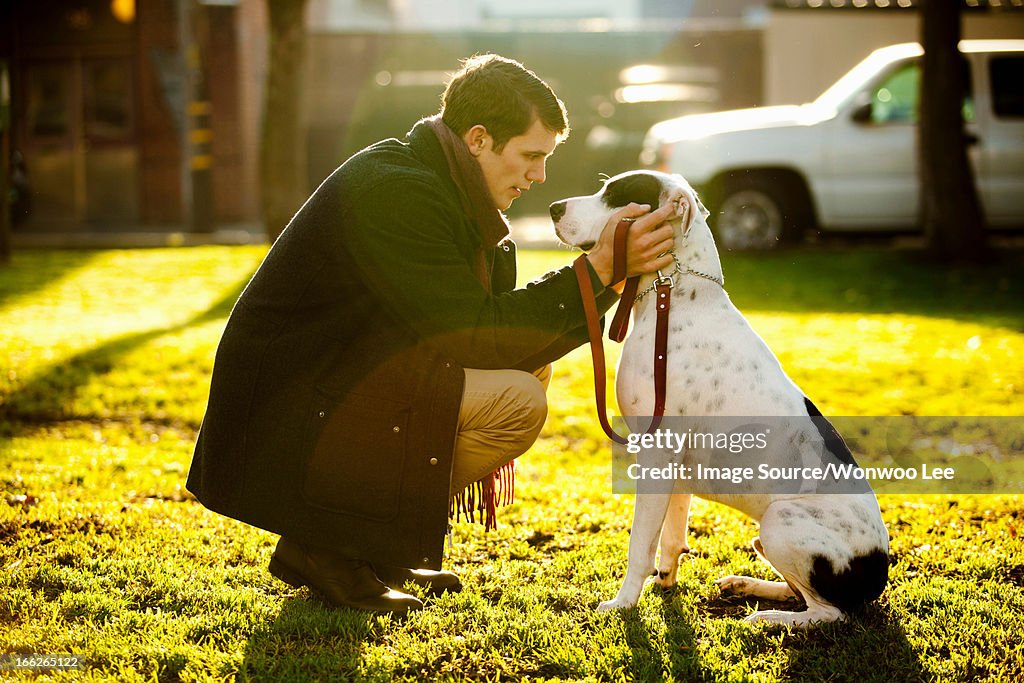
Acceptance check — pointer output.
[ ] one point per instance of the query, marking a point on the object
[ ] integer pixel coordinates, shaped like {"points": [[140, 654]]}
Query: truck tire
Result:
{"points": [[756, 213]]}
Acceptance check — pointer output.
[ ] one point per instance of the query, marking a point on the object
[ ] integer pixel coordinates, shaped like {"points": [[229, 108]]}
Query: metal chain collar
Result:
{"points": [[680, 269]]}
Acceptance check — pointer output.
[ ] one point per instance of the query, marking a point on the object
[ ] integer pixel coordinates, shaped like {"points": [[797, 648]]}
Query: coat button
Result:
{"points": [[396, 429], [433, 461], [561, 306], [323, 414]]}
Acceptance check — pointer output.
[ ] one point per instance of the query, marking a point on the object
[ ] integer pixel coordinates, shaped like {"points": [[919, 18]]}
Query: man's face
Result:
{"points": [[520, 163]]}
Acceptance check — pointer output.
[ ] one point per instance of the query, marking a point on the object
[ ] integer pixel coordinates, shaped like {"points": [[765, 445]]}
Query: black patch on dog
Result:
{"points": [[641, 188], [860, 583], [833, 440]]}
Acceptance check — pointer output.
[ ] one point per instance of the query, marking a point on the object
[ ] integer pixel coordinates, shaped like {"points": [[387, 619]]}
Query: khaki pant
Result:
{"points": [[501, 415]]}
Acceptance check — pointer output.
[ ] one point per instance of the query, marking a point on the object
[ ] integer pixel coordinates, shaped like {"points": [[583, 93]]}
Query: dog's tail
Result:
{"points": [[834, 443], [854, 586]]}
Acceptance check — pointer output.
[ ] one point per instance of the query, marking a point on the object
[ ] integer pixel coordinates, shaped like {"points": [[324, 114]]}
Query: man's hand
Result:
{"points": [[648, 239]]}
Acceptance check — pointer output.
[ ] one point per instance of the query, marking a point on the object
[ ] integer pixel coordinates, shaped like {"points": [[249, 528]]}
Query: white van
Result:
{"points": [[847, 161]]}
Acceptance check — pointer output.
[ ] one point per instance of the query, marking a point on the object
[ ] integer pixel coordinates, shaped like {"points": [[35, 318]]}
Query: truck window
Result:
{"points": [[1007, 76], [895, 100]]}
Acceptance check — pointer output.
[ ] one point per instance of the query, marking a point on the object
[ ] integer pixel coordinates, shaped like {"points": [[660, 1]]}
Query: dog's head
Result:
{"points": [[580, 220]]}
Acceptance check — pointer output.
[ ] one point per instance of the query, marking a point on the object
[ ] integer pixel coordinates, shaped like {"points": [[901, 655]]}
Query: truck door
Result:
{"points": [[873, 159], [1000, 145], [876, 167]]}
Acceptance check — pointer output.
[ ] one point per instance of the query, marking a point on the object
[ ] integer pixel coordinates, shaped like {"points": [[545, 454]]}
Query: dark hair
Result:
{"points": [[503, 96]]}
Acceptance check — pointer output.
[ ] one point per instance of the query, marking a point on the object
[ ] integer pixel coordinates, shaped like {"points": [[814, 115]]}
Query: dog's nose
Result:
{"points": [[557, 210]]}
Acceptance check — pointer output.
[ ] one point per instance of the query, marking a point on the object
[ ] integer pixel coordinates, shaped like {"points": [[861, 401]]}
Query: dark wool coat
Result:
{"points": [[336, 386]]}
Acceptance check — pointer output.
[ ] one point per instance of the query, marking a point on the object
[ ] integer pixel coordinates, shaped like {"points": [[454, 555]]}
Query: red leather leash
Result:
{"points": [[617, 330]]}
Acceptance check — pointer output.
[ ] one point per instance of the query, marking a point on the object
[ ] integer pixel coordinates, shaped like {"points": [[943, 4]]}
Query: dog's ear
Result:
{"points": [[681, 192], [687, 206]]}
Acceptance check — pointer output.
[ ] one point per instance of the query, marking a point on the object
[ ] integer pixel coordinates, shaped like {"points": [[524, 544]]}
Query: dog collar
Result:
{"points": [[669, 280]]}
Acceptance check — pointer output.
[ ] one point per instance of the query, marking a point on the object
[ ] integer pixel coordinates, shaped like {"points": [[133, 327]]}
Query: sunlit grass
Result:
{"points": [[104, 368]]}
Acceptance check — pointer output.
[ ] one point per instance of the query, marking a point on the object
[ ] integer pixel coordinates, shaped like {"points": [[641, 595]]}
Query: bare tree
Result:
{"points": [[282, 151], [951, 210]]}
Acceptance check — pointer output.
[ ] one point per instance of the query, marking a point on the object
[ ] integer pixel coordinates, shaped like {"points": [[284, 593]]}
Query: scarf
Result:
{"points": [[477, 203], [498, 487]]}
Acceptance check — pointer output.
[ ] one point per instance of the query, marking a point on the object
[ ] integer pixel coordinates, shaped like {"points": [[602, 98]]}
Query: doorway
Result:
{"points": [[79, 141]]}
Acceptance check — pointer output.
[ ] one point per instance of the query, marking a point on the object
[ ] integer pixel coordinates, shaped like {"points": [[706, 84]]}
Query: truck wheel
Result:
{"points": [[753, 215]]}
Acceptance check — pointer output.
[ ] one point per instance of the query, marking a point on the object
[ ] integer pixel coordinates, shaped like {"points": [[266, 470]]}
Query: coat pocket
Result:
{"points": [[358, 456]]}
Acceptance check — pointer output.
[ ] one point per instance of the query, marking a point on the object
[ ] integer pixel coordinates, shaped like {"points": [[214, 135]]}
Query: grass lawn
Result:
{"points": [[105, 360]]}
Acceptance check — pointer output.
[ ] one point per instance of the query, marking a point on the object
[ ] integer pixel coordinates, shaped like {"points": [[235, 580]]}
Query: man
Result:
{"points": [[380, 360]]}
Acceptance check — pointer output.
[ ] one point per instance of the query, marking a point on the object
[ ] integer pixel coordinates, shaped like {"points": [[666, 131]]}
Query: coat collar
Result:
{"points": [[428, 150], [424, 144]]}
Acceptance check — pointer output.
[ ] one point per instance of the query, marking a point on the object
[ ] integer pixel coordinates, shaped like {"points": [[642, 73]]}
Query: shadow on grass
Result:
{"points": [[30, 272], [872, 646], [680, 640], [869, 646], [877, 281], [309, 640], [45, 397], [647, 658]]}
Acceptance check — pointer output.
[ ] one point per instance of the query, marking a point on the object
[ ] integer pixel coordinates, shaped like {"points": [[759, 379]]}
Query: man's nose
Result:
{"points": [[557, 210], [537, 174]]}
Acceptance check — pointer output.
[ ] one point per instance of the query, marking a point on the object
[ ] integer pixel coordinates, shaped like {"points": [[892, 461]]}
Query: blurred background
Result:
{"points": [[145, 116]]}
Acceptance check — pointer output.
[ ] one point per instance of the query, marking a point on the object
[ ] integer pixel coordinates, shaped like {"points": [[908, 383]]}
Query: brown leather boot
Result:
{"points": [[435, 583], [343, 582]]}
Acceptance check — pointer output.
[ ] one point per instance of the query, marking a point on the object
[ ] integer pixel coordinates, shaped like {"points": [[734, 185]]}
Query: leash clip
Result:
{"points": [[667, 280]]}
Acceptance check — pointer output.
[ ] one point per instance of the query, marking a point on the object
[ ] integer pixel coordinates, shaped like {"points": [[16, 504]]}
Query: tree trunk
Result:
{"points": [[5, 164], [951, 212], [282, 153]]}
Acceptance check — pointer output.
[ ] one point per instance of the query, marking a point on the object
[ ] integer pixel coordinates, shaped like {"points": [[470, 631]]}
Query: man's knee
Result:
{"points": [[538, 402], [528, 396], [507, 404]]}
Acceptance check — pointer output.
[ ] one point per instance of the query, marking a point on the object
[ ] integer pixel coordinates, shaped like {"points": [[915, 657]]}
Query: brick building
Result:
{"points": [[128, 115]]}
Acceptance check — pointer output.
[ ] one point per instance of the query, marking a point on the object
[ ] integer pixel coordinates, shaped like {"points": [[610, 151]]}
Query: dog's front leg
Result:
{"points": [[673, 539], [648, 517]]}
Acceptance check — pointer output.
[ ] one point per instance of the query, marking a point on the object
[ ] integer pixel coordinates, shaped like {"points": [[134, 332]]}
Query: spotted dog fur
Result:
{"points": [[831, 550]]}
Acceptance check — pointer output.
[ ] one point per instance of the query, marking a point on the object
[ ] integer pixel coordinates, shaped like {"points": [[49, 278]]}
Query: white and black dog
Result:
{"points": [[831, 549]]}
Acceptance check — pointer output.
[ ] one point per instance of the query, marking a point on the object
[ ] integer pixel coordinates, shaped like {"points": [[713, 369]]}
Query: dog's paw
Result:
{"points": [[612, 605], [767, 617], [820, 614], [789, 619], [733, 585], [665, 580]]}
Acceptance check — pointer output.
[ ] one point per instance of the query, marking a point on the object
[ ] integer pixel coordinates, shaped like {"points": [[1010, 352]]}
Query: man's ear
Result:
{"points": [[477, 138]]}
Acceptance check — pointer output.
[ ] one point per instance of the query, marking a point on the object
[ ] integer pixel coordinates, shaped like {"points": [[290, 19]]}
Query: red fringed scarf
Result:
{"points": [[498, 487], [484, 496]]}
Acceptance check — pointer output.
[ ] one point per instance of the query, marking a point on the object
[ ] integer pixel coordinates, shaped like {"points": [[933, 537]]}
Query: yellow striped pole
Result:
{"points": [[200, 132]]}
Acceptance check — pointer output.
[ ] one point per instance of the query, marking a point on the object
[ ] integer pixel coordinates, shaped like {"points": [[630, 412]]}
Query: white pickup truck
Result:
{"points": [[847, 162]]}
